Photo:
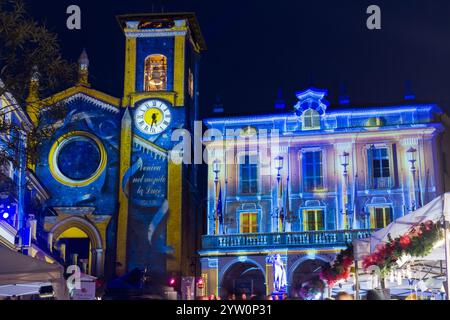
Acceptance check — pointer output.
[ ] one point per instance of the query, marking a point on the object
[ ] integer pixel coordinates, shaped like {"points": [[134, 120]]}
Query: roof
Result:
{"points": [[349, 112], [190, 16]]}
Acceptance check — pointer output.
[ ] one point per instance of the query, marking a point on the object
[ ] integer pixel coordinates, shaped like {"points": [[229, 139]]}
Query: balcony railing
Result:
{"points": [[274, 240]]}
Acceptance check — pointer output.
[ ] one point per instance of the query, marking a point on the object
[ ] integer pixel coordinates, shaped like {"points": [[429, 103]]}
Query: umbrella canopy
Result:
{"points": [[431, 212], [22, 289], [16, 268]]}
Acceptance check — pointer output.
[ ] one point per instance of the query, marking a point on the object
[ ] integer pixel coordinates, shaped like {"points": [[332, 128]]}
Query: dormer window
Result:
{"points": [[155, 76], [311, 120], [310, 108]]}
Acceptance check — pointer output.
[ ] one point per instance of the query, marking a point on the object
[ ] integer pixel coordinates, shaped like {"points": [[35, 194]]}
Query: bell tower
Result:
{"points": [[162, 52]]}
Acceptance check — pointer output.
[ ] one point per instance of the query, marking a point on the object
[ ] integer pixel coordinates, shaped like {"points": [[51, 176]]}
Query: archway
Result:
{"points": [[79, 242], [243, 277], [75, 247], [305, 271]]}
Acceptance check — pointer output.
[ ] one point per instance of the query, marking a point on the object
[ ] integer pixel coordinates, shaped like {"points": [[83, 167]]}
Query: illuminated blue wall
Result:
{"points": [[84, 116]]}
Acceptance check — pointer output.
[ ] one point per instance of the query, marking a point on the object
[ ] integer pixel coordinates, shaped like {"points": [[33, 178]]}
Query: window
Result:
{"points": [[379, 167], [248, 175], [311, 120], [380, 217], [313, 220], [249, 222], [312, 170], [155, 73]]}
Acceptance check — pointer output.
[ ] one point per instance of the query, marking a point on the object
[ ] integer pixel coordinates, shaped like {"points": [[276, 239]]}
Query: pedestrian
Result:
{"points": [[374, 295], [232, 296]]}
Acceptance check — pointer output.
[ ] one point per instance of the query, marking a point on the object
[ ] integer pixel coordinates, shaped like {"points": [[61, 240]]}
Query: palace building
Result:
{"points": [[117, 203], [336, 174]]}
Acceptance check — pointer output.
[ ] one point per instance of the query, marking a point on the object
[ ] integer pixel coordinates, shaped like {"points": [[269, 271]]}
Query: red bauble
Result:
{"points": [[404, 242]]}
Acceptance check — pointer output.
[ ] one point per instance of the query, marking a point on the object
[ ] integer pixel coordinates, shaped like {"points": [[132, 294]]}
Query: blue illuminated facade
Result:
{"points": [[22, 194], [332, 175], [117, 203]]}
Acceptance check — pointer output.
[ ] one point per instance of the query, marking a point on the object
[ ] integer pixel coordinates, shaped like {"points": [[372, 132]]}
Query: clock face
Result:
{"points": [[152, 117]]}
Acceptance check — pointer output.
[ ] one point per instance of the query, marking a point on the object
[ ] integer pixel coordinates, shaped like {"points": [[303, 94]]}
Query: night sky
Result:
{"points": [[257, 47]]}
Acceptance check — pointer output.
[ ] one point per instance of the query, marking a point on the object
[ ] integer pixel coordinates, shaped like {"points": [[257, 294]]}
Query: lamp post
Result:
{"points": [[278, 161], [216, 170], [411, 155], [344, 162], [279, 165], [345, 210]]}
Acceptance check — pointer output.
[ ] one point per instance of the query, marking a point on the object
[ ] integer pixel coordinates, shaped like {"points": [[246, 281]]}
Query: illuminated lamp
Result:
{"points": [[278, 161], [5, 215], [172, 282], [411, 154]]}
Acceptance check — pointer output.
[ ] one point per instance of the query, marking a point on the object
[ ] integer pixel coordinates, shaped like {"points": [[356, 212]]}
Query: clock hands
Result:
{"points": [[154, 121]]}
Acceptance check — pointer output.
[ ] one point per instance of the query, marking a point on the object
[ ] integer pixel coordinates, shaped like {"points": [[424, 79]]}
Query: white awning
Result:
{"points": [[16, 268]]}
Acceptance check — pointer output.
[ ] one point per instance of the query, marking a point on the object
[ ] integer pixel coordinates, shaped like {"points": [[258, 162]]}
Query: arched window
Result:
{"points": [[155, 73], [311, 120]]}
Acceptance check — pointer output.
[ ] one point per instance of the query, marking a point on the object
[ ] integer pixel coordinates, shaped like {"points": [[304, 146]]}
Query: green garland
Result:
{"points": [[419, 242]]}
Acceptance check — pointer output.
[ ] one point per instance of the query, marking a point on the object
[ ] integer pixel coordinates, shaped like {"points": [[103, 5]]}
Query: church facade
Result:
{"points": [[117, 202], [326, 177]]}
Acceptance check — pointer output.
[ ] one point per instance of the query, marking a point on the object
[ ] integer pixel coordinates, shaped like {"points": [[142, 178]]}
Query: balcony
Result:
{"points": [[312, 239]]}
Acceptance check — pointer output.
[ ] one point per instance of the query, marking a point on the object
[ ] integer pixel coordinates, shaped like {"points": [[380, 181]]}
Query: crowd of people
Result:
{"points": [[371, 295]]}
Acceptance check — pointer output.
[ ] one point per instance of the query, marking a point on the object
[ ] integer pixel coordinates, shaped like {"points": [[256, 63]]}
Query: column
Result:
{"points": [[97, 261]]}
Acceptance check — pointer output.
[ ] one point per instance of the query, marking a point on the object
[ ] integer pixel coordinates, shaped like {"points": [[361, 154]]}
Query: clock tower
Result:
{"points": [[160, 96]]}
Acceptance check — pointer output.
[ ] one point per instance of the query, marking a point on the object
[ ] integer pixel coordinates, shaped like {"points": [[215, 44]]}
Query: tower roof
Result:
{"points": [[147, 17]]}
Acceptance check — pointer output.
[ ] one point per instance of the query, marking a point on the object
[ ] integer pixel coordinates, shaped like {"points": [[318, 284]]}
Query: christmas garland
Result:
{"points": [[340, 270], [419, 242]]}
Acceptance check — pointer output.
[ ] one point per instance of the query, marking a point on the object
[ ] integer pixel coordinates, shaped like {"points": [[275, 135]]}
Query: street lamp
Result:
{"points": [[279, 165], [344, 161], [278, 161], [216, 169], [411, 155], [347, 212]]}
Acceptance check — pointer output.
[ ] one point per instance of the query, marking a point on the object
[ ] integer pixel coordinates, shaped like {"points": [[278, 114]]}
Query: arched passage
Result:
{"points": [[76, 235], [243, 277], [306, 270]]}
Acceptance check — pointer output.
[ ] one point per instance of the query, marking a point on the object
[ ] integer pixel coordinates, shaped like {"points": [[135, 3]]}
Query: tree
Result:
{"points": [[31, 65]]}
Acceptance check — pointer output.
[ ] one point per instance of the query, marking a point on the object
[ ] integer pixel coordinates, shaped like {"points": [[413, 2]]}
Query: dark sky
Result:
{"points": [[256, 47]]}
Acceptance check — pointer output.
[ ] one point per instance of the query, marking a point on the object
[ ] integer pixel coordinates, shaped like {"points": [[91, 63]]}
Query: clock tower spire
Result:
{"points": [[160, 93]]}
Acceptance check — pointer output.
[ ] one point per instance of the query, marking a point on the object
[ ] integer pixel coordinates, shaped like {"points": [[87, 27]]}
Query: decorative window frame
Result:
{"points": [[368, 165], [324, 171], [316, 114], [144, 82], [371, 208], [258, 212], [301, 217], [240, 155]]}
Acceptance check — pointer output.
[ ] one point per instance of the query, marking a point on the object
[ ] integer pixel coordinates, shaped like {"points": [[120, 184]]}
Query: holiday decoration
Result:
{"points": [[340, 270], [419, 242]]}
